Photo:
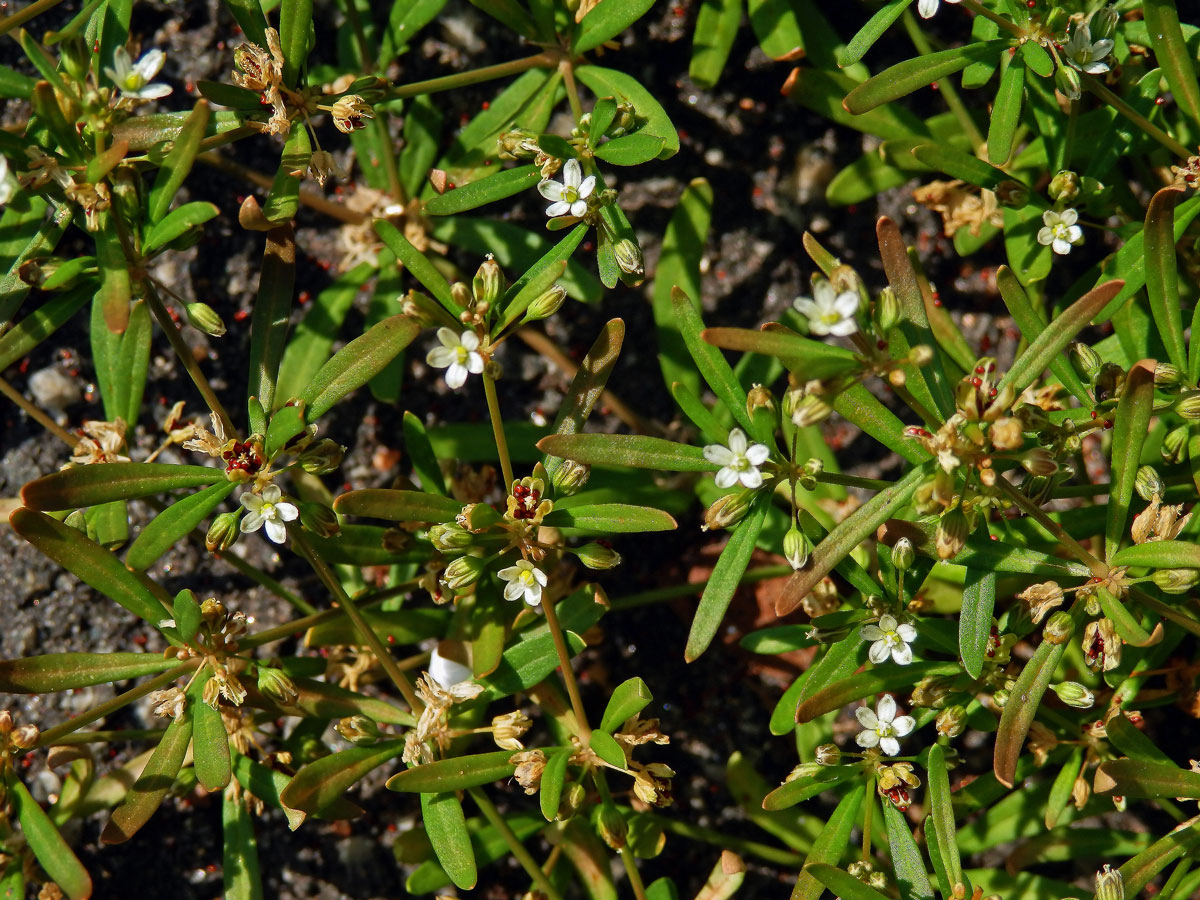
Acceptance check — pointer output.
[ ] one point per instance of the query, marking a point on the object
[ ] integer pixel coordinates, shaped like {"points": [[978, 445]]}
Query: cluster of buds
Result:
{"points": [[261, 71], [15, 738]]}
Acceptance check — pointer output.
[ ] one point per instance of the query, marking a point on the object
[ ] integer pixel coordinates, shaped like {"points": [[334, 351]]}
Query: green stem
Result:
{"points": [[867, 484], [945, 88], [185, 356], [631, 870], [1097, 87], [366, 59], [568, 673], [8, 23], [493, 402], [868, 813], [290, 629], [475, 76], [741, 846], [329, 579], [515, 847], [108, 737], [1067, 147], [1187, 623], [1036, 513], [52, 736], [266, 581], [568, 74]]}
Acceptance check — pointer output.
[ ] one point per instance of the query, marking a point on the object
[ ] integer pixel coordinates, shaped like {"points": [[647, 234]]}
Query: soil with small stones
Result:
{"points": [[767, 159]]}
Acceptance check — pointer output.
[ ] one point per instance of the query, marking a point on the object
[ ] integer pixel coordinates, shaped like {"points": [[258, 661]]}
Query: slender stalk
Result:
{"points": [[52, 736], [184, 353], [568, 673], [1035, 512], [868, 812], [1187, 623], [631, 870], [289, 629], [366, 59], [35, 413], [107, 737], [475, 76], [1097, 87], [568, 74], [741, 846], [232, 559], [8, 23], [329, 579], [1067, 148], [493, 402], [515, 847], [930, 419]]}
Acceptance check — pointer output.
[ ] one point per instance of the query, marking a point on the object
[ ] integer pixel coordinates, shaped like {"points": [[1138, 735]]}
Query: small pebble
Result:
{"points": [[53, 391]]}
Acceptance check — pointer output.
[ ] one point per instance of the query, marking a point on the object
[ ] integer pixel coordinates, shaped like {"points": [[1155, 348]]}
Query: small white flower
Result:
{"points": [[525, 582], [928, 7], [1060, 230], [882, 727], [570, 197], [268, 509], [827, 312], [459, 355], [891, 639], [739, 461], [447, 672], [7, 185], [1085, 54], [133, 79]]}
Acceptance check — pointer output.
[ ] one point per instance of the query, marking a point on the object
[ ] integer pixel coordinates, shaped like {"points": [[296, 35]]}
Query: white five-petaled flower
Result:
{"points": [[569, 197], [928, 7], [739, 461], [459, 355], [133, 79], [1084, 54], [525, 582], [883, 726], [1060, 230], [890, 638], [7, 185], [829, 312], [269, 509]]}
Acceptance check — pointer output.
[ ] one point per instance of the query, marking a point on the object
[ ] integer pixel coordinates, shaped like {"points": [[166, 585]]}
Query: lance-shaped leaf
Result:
{"points": [[906, 77], [89, 562], [636, 451], [608, 749], [1126, 737], [1064, 785], [1139, 871], [41, 323], [551, 785], [862, 408], [716, 29], [975, 618], [679, 267], [115, 288], [815, 359], [961, 165], [875, 28], [806, 787], [447, 829], [713, 366], [104, 482], [830, 843], [1002, 557], [1032, 321], [152, 785], [177, 223], [882, 679], [1018, 715], [67, 671], [418, 264], [177, 163], [726, 576], [1139, 778], [601, 25], [295, 27], [1159, 555], [323, 781], [847, 535], [1162, 280], [395, 626], [912, 878], [173, 523], [630, 150], [48, 846], [1052, 341], [266, 784], [239, 855], [942, 814], [269, 324], [210, 743], [397, 506], [328, 701], [484, 191], [628, 699], [357, 363], [605, 82], [1173, 54], [1130, 426], [1006, 111], [455, 774], [611, 518], [421, 455]]}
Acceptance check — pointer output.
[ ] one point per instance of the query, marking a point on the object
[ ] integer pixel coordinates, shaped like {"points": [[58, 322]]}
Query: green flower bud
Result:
{"points": [[1167, 378], [903, 555], [573, 797], [1066, 80], [319, 519], [358, 730], [322, 457], [828, 754], [611, 826], [933, 691], [597, 556], [76, 57], [1103, 23], [951, 534], [1059, 628], [1148, 484], [1084, 360], [462, 295], [1109, 883], [1000, 698], [1074, 694], [887, 310], [488, 284], [878, 880], [809, 410], [450, 537], [275, 683], [860, 869], [426, 311], [796, 547], [728, 510], [223, 531], [463, 572], [1176, 581], [1109, 382], [1188, 406], [1012, 194], [952, 721], [570, 477], [547, 304], [1174, 445], [204, 318], [1064, 187], [629, 258]]}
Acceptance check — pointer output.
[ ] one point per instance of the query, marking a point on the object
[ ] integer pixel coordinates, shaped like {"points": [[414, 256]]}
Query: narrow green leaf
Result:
{"points": [[397, 506], [295, 29], [177, 223], [912, 878], [862, 408], [630, 150], [610, 518], [283, 200], [1032, 321], [104, 482], [399, 626], [178, 163], [210, 743], [975, 619], [417, 264], [679, 267], [714, 368], [1138, 778], [239, 855], [1130, 426], [1173, 54], [455, 774], [269, 324], [485, 190], [152, 785], [1006, 111], [115, 286], [41, 323], [843, 883], [608, 749], [67, 671], [637, 451], [323, 781], [1141, 869], [421, 455], [607, 20], [831, 843], [906, 77], [174, 523], [446, 826], [1162, 280], [187, 615], [1018, 716], [942, 813], [716, 29], [872, 31], [551, 788], [1063, 786], [815, 359], [48, 846], [356, 363], [628, 699], [796, 791]]}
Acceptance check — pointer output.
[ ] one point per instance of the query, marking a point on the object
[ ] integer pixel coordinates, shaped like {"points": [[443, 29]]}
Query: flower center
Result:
{"points": [[570, 194], [268, 511], [740, 463], [462, 354], [892, 639], [885, 730], [831, 317], [526, 577], [1062, 231]]}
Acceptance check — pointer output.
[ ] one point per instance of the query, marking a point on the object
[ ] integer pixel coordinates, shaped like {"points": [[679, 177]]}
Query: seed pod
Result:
{"points": [[597, 556], [1039, 461], [796, 547], [828, 754], [1074, 694], [1176, 581], [1188, 406], [463, 572], [487, 286], [1174, 445], [222, 532], [611, 826], [629, 258], [1109, 884], [1059, 628], [1084, 360], [276, 684], [204, 318], [358, 730], [1066, 80], [1103, 23], [570, 477], [1064, 187], [1167, 378], [322, 457], [319, 519], [951, 534], [1148, 483], [728, 510], [547, 304], [903, 555]]}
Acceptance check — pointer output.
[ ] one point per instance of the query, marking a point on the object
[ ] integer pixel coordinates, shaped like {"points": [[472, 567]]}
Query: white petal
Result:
{"points": [[121, 62], [885, 709], [456, 375], [737, 441], [533, 594], [271, 493], [276, 531], [510, 573], [447, 672], [904, 724], [1045, 236], [252, 522], [150, 64], [440, 357], [540, 577], [804, 306], [907, 632], [871, 633], [551, 190], [887, 622], [757, 454], [1061, 247], [572, 174], [252, 502], [579, 209], [1050, 217], [927, 8], [1096, 68], [1074, 233], [287, 511], [727, 477], [152, 91], [751, 478], [846, 304], [718, 454], [470, 340], [879, 652], [474, 363], [817, 326], [890, 746], [513, 590], [1068, 217], [823, 293], [448, 337], [866, 717], [587, 186], [844, 328], [867, 739], [902, 656], [561, 208]]}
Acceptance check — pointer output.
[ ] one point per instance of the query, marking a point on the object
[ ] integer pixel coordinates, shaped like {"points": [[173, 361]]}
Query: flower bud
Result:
{"points": [[828, 754], [223, 531], [728, 510], [24, 737], [878, 880], [1188, 406], [547, 304], [932, 691], [1066, 80], [276, 684], [1109, 883], [1059, 628], [1148, 483], [597, 556], [809, 410], [6, 722], [570, 477], [1074, 694], [611, 826], [450, 537], [951, 534], [322, 457], [463, 572], [319, 519], [1109, 382], [461, 294], [920, 355], [358, 730], [903, 555], [629, 258], [1103, 23], [860, 869], [1039, 461], [796, 547], [488, 284], [518, 145], [952, 721], [573, 798], [1167, 378], [1012, 194], [1084, 360], [1064, 186], [887, 310], [1176, 581], [1000, 698], [1174, 445]]}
